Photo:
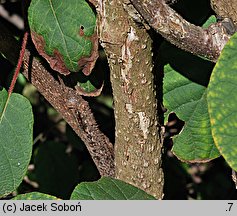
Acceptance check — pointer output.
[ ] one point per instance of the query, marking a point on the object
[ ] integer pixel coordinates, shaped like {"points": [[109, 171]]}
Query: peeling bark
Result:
{"points": [[138, 140]]}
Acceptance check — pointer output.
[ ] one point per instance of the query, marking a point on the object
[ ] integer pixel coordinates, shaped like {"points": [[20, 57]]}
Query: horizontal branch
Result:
{"points": [[204, 42], [73, 108]]}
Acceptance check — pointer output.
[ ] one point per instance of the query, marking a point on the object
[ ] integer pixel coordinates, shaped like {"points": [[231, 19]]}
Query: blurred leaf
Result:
{"points": [[31, 93], [56, 171], [188, 100], [35, 196], [222, 102], [107, 100], [16, 139], [109, 189], [64, 34]]}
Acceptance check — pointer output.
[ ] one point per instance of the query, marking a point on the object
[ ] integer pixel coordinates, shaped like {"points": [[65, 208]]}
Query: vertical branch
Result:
{"points": [[138, 140]]}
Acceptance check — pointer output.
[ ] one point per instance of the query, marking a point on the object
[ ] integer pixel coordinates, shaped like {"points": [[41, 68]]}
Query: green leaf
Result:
{"points": [[108, 189], [55, 171], [87, 86], [35, 196], [16, 140], [222, 102], [188, 100], [63, 33], [211, 20], [88, 89], [107, 100], [186, 63]]}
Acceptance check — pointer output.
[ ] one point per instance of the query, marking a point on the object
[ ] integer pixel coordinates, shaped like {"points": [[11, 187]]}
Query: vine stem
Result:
{"points": [[19, 63]]}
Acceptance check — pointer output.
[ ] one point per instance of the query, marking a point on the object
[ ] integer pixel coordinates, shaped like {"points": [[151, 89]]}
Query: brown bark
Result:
{"points": [[225, 9], [73, 108], [138, 138], [75, 111], [204, 42]]}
